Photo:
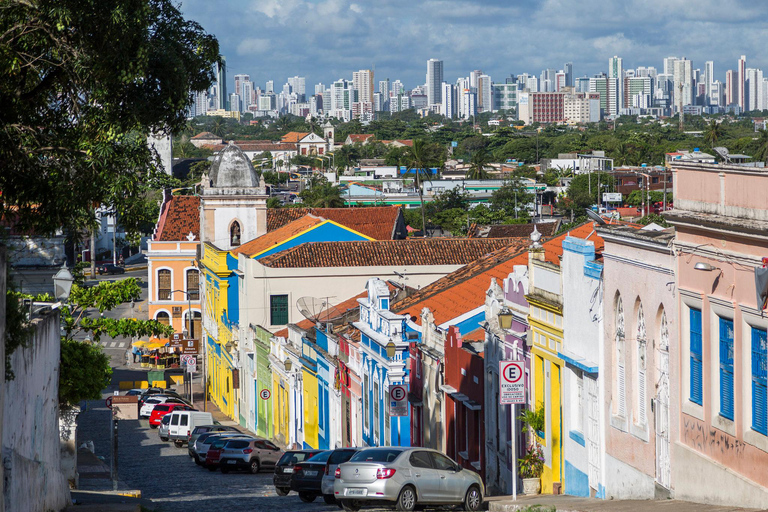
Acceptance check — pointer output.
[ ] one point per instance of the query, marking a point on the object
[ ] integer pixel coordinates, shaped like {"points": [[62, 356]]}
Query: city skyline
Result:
{"points": [[329, 39]]}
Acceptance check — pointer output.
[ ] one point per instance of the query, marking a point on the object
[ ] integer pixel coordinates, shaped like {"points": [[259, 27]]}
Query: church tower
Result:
{"points": [[329, 133], [233, 202]]}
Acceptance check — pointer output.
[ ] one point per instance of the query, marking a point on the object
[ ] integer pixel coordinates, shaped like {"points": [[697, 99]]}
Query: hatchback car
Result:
{"points": [[145, 408], [110, 269], [162, 430], [407, 478], [159, 411], [338, 456], [248, 454], [307, 477], [284, 469], [203, 443]]}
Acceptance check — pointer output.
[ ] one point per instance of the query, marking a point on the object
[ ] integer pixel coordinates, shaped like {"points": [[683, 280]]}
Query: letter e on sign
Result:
{"points": [[511, 382]]}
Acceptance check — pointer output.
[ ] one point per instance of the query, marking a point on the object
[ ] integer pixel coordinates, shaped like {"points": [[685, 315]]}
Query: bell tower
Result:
{"points": [[329, 133]]}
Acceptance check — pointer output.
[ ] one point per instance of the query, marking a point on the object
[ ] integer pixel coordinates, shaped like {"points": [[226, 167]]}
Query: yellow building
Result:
{"points": [[545, 319], [311, 405]]}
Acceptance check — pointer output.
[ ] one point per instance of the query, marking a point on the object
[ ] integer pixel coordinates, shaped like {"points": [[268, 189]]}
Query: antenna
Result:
{"points": [[318, 310], [723, 152], [595, 217]]}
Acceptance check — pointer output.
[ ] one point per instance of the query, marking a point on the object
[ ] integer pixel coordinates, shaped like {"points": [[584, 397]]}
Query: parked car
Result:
{"points": [[134, 392], [110, 269], [160, 410], [251, 455], [203, 443], [152, 392], [146, 407], [307, 477], [213, 455], [406, 477], [184, 422], [338, 456], [162, 430], [284, 468], [204, 429]]}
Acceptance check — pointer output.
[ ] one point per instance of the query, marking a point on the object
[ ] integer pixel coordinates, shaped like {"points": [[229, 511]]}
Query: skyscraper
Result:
{"points": [[669, 65], [683, 76], [434, 81], [299, 86], [221, 83], [270, 88], [709, 78], [448, 100], [742, 70], [731, 90], [568, 68], [484, 94], [384, 90], [616, 70], [362, 82]]}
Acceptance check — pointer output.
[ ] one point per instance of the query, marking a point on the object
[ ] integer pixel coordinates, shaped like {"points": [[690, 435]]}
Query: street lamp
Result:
{"points": [[62, 283], [391, 349], [287, 364], [505, 318]]}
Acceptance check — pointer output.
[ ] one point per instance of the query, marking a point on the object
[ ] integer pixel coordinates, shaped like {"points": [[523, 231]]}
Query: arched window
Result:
{"points": [[193, 284], [664, 333], [234, 234], [641, 363], [164, 284], [163, 318], [620, 369]]}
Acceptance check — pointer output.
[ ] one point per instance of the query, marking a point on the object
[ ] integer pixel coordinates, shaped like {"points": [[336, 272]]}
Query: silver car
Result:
{"points": [[405, 477], [338, 456], [203, 444], [249, 454], [162, 430]]}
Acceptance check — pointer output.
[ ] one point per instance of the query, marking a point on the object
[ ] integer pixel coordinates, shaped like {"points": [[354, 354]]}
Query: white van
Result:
{"points": [[184, 422]]}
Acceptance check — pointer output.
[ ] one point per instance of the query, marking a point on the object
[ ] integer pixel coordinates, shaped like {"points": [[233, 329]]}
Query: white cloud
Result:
{"points": [[253, 46]]}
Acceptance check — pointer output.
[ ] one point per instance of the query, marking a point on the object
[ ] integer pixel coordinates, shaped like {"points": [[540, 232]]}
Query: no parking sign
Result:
{"points": [[511, 382]]}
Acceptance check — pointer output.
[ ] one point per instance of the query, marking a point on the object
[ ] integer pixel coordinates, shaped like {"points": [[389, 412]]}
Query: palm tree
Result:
{"points": [[762, 146], [326, 195], [218, 126], [420, 158], [477, 169], [713, 132]]}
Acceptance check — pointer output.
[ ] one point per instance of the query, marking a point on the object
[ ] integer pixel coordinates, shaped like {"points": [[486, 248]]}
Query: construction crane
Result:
{"points": [[680, 101]]}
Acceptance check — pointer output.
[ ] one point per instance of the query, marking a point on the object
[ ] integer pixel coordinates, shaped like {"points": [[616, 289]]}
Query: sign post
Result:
{"points": [[398, 401], [512, 392]]}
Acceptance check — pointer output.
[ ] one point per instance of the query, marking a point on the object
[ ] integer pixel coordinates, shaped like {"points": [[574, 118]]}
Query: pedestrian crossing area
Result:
{"points": [[114, 344]]}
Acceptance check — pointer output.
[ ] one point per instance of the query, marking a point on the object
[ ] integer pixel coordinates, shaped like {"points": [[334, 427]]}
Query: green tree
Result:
{"points": [[478, 168], [713, 133], [512, 199], [322, 194], [84, 82], [420, 158], [274, 202], [762, 146]]}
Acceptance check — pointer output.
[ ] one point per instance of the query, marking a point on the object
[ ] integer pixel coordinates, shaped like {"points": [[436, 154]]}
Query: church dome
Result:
{"points": [[231, 168]]}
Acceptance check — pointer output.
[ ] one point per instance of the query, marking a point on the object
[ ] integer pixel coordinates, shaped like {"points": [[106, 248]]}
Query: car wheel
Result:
{"points": [[164, 439], [307, 497], [350, 505], [197, 461], [282, 491], [152, 426], [211, 468], [329, 499], [224, 469], [473, 501], [406, 501]]}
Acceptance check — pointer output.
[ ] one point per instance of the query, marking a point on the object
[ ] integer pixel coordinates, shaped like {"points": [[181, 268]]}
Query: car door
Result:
{"points": [[452, 485], [173, 427], [424, 476], [271, 453]]}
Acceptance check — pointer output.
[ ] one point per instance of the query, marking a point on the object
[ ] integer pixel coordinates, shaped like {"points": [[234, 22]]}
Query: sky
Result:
{"points": [[324, 40]]}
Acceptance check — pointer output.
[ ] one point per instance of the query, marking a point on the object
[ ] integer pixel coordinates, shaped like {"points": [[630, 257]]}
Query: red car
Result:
{"points": [[161, 410], [213, 454]]}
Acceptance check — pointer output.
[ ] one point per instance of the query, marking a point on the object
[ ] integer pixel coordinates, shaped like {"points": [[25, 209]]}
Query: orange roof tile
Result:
{"points": [[272, 238], [180, 218], [377, 222], [206, 136], [360, 137], [464, 290], [293, 137], [424, 251]]}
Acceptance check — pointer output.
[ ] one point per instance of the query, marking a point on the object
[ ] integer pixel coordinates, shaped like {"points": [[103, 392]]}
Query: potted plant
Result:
{"points": [[530, 467], [534, 420]]}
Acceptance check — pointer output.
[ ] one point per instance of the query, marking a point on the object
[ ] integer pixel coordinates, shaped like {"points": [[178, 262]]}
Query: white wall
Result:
{"points": [[30, 416]]}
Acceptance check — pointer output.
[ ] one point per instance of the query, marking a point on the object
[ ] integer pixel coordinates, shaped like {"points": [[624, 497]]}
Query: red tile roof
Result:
{"points": [[360, 137], [206, 136], [464, 289], [293, 137], [377, 222], [425, 251], [180, 217], [268, 240]]}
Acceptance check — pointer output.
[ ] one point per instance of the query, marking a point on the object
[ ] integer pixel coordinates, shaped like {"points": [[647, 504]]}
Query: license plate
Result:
{"points": [[287, 470], [357, 492], [310, 473], [231, 462]]}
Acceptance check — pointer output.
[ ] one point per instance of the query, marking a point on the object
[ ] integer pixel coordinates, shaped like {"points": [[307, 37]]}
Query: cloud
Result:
{"points": [[253, 46]]}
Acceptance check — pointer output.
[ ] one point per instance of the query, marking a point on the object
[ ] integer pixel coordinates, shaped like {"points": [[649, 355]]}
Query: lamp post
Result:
{"points": [[62, 283], [505, 318]]}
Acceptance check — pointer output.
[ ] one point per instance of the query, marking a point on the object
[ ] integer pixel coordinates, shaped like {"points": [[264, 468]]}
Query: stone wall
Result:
{"points": [[30, 424]]}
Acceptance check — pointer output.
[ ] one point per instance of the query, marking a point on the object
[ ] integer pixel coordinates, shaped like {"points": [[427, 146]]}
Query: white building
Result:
{"points": [[434, 81], [683, 77], [448, 107], [616, 71]]}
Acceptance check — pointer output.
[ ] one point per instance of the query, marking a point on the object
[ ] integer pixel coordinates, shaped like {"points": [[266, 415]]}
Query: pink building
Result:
{"points": [[721, 453]]}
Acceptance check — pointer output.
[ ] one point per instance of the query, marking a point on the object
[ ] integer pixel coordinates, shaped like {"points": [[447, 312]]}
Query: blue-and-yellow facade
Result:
{"points": [[545, 319], [222, 308]]}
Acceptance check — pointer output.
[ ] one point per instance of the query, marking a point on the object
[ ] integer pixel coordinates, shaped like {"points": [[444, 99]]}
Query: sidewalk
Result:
{"points": [[564, 503]]}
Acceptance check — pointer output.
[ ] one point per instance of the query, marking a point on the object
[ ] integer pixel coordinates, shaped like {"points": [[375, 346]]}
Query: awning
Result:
{"points": [[156, 343], [140, 343]]}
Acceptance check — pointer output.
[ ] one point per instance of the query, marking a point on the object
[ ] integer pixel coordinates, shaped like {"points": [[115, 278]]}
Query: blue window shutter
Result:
{"points": [[726, 368], [696, 370], [759, 378]]}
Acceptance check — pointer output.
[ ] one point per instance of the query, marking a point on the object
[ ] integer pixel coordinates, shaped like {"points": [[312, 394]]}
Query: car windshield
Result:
{"points": [[162, 408], [339, 456], [376, 455], [320, 457]]}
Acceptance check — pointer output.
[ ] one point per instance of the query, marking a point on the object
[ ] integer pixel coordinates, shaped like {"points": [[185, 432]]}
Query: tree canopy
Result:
{"points": [[84, 83]]}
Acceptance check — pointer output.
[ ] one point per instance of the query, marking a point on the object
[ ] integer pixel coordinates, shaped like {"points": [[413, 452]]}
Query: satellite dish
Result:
{"points": [[595, 217], [723, 152], [318, 310]]}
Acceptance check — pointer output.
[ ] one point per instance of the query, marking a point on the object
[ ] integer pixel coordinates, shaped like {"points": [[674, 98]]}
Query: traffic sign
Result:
{"points": [[185, 358], [108, 401], [265, 394], [511, 382], [398, 401]]}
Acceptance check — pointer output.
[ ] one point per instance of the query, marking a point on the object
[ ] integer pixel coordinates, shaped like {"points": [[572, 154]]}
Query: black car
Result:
{"points": [[110, 269], [307, 478], [284, 468]]}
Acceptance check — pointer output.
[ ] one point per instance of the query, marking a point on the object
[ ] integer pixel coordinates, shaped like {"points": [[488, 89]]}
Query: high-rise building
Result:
{"points": [[468, 106], [638, 86], [221, 83], [384, 90], [560, 81], [582, 84], [239, 80], [731, 90], [669, 65], [473, 76], [741, 70], [568, 68], [599, 84], [616, 70], [299, 86], [484, 94], [362, 82], [448, 100], [709, 78], [270, 87], [504, 97], [434, 81], [753, 88], [246, 95], [683, 83]]}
